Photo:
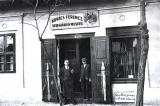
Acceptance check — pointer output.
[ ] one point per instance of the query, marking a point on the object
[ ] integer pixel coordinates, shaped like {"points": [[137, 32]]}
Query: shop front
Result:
{"points": [[108, 38], [109, 41], [113, 58], [74, 49]]}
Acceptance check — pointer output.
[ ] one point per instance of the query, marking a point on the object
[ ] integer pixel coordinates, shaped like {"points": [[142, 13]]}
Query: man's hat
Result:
{"points": [[84, 59]]}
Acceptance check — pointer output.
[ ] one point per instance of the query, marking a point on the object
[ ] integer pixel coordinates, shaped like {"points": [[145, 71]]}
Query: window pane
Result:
{"points": [[9, 45], [9, 58], [1, 44], [124, 61], [9, 62], [1, 59], [1, 67], [9, 67]]}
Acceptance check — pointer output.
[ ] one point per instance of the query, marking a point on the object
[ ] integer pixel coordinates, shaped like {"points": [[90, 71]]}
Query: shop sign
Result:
{"points": [[124, 92], [76, 20]]}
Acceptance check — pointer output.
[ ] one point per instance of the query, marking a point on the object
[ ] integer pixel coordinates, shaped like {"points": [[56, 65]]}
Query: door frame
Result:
{"points": [[59, 37], [74, 35]]}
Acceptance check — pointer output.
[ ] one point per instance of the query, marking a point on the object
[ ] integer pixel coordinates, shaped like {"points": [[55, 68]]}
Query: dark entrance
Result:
{"points": [[74, 50], [74, 47]]}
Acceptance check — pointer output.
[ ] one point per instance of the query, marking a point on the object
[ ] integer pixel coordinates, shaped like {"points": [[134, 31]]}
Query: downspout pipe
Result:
{"points": [[23, 49]]}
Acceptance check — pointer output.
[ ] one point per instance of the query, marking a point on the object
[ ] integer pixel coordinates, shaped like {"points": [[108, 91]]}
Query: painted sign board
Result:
{"points": [[124, 92], [79, 19]]}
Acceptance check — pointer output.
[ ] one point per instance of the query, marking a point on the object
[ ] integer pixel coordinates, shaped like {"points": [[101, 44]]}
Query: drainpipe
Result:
{"points": [[23, 49]]}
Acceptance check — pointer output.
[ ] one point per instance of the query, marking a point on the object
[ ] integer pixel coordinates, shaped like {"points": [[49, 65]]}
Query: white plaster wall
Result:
{"points": [[153, 16], [152, 80], [12, 83], [32, 61], [24, 85], [106, 20]]}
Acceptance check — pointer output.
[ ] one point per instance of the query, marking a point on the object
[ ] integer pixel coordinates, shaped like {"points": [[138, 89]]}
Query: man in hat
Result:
{"points": [[85, 78]]}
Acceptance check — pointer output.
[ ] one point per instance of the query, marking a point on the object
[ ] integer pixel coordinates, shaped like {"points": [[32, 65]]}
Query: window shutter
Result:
{"points": [[101, 83], [48, 59]]}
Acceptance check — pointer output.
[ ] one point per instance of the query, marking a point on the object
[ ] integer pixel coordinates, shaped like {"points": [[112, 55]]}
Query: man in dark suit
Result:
{"points": [[66, 80], [85, 78]]}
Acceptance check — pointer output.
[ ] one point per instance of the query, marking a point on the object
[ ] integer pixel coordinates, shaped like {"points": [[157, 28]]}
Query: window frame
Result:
{"points": [[123, 32], [5, 52], [124, 79]]}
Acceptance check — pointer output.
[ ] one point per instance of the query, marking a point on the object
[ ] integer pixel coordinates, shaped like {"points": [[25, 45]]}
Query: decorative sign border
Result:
{"points": [[89, 18], [124, 95]]}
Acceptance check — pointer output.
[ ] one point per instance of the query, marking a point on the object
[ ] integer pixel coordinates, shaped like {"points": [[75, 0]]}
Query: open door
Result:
{"points": [[75, 50], [49, 90], [101, 83]]}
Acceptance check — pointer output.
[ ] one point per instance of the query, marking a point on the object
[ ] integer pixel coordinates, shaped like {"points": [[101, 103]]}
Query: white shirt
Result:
{"points": [[66, 67], [84, 65]]}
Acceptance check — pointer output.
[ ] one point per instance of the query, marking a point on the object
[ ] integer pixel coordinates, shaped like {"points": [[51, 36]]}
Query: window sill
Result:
{"points": [[2, 72], [124, 80]]}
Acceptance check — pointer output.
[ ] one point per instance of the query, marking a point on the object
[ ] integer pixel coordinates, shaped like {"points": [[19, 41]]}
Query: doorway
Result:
{"points": [[75, 50], [74, 47]]}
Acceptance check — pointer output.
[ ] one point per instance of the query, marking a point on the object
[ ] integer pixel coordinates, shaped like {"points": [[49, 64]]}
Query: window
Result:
{"points": [[124, 57], [7, 53]]}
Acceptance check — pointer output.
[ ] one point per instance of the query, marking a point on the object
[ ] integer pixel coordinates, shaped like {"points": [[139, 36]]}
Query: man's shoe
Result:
{"points": [[65, 102], [88, 99], [74, 102]]}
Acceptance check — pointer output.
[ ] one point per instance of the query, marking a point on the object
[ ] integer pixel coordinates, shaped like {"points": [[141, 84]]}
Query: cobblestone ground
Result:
{"points": [[56, 104]]}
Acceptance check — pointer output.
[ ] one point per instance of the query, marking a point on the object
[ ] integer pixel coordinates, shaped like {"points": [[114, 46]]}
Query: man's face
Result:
{"points": [[84, 62], [66, 62]]}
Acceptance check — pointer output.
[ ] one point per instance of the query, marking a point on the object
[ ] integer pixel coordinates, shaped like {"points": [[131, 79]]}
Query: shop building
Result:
{"points": [[105, 32]]}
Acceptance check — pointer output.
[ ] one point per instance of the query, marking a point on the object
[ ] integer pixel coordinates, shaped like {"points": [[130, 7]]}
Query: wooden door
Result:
{"points": [[101, 86], [49, 90]]}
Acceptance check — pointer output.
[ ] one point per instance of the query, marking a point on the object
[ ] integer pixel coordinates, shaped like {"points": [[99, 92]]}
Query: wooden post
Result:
{"points": [[143, 55], [103, 80], [57, 87], [48, 86]]}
